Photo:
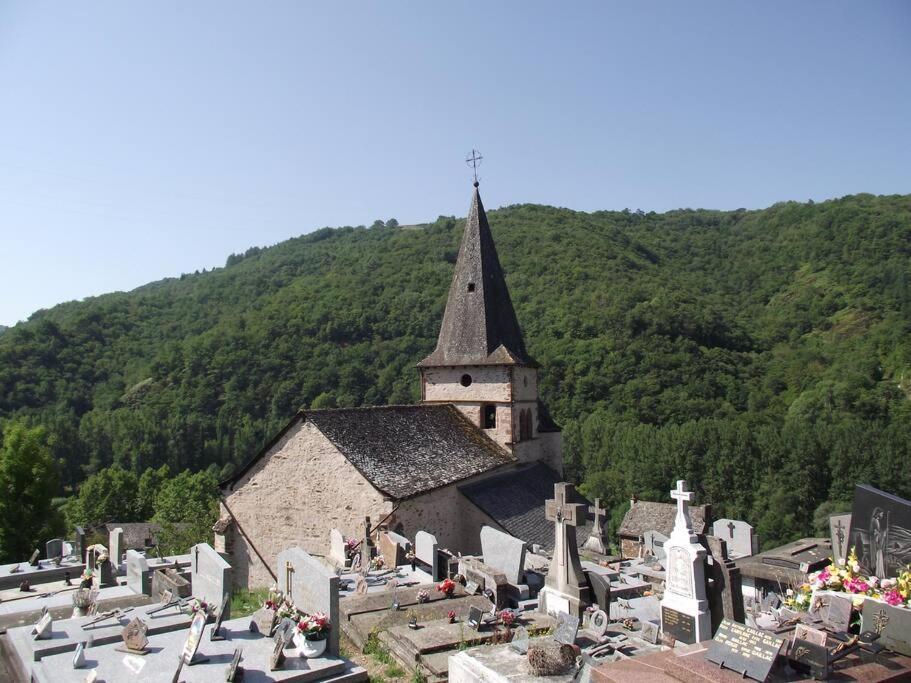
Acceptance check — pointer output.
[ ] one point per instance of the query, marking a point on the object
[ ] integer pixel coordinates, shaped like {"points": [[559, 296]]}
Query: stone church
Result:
{"points": [[479, 449]]}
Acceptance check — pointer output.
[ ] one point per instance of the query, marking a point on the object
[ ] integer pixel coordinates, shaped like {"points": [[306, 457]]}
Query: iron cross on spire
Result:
{"points": [[474, 160]]}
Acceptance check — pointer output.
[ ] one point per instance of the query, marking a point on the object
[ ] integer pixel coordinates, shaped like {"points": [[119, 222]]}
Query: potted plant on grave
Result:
{"points": [[312, 634], [423, 596], [446, 587], [452, 616], [412, 619]]}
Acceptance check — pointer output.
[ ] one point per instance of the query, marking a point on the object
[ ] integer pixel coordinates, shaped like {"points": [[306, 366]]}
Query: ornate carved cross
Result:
{"points": [[731, 527], [880, 619], [683, 498], [840, 532], [474, 160], [562, 514]]}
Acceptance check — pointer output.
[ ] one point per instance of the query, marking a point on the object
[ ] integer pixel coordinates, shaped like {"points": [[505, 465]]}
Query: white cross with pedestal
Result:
{"points": [[595, 540]]}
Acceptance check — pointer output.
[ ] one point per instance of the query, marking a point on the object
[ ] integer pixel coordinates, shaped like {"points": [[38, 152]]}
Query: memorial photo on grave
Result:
{"points": [[880, 531]]}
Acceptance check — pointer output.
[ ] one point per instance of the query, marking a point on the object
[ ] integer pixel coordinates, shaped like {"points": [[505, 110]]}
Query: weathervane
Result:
{"points": [[474, 161]]}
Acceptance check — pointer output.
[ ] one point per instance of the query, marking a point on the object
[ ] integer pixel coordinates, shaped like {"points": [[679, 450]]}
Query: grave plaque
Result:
{"points": [[519, 641], [360, 587], [807, 656], [189, 655], [134, 636], [471, 587], [474, 617], [649, 632], [79, 657], [235, 670], [809, 634], [566, 629], [262, 621], [834, 609], [746, 650], [33, 560], [215, 633], [44, 627], [679, 625], [598, 623], [880, 531], [277, 659], [891, 624], [53, 548], [166, 597]]}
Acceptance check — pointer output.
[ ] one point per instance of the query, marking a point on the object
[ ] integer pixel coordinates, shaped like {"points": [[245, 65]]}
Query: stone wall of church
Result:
{"points": [[448, 515], [488, 383], [301, 489]]}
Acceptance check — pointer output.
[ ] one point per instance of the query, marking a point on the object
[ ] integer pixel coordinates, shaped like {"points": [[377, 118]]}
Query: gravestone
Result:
{"points": [[79, 656], [337, 547], [53, 548], [598, 623], [891, 624], [487, 578], [601, 593], [833, 608], [210, 576], [503, 552], [595, 541], [106, 574], [44, 627], [809, 634], [746, 650], [426, 551], [79, 549], [139, 578], [725, 590], [115, 543], [519, 641], [741, 537], [223, 611], [393, 548], [880, 531], [475, 616], [33, 560], [653, 541], [650, 631], [838, 532], [235, 670], [684, 607], [366, 547], [312, 587], [565, 588]]}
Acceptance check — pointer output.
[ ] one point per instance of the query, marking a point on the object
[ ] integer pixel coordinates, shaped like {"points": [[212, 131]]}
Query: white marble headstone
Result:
{"points": [[741, 537]]}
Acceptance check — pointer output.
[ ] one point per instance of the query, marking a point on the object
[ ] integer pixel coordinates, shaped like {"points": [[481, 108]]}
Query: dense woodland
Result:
{"points": [[762, 355]]}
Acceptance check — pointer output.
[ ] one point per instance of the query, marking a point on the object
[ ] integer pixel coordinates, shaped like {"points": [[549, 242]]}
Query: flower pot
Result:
{"points": [[309, 648]]}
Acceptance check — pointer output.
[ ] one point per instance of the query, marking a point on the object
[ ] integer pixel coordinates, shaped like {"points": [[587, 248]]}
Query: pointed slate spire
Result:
{"points": [[479, 325]]}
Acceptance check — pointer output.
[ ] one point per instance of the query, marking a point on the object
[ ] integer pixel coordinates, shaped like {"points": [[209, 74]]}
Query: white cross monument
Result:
{"points": [[684, 608]]}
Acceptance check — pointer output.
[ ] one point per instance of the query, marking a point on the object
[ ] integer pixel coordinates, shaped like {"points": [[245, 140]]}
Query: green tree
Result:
{"points": [[110, 495], [28, 483], [186, 508], [150, 484]]}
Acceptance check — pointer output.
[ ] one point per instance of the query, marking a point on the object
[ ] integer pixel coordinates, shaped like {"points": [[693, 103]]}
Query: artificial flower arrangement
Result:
{"points": [[351, 545], [423, 596], [446, 587], [845, 577], [507, 617], [286, 610], [197, 605], [377, 562], [314, 626], [452, 616]]}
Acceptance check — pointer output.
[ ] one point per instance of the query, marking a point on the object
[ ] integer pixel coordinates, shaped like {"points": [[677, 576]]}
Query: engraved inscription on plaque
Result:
{"points": [[746, 650], [679, 625], [680, 572]]}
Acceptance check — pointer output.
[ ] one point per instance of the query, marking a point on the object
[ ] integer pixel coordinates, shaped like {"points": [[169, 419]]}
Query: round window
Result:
{"points": [[466, 380]]}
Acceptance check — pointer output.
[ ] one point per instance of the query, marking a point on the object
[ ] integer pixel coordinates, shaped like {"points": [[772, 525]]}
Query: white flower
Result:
{"points": [[855, 567], [802, 598], [790, 593]]}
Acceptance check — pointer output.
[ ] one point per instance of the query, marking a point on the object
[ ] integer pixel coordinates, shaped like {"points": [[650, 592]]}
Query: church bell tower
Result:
{"points": [[480, 363]]}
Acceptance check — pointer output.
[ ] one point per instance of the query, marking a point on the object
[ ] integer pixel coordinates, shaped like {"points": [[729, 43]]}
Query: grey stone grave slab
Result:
{"points": [[159, 664], [426, 551], [139, 578], [839, 525], [503, 552], [210, 576], [519, 641], [115, 543], [567, 628], [891, 624], [654, 541], [740, 537], [53, 548], [312, 587]]}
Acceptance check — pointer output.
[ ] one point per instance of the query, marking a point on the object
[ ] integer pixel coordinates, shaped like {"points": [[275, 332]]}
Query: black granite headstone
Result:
{"points": [[600, 590], [680, 626], [880, 531]]}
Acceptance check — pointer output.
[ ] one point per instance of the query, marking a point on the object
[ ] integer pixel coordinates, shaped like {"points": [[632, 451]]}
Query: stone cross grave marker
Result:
{"points": [[210, 576], [838, 530], [654, 542], [684, 607], [595, 541], [115, 543], [565, 588], [313, 586], [503, 552], [740, 537]]}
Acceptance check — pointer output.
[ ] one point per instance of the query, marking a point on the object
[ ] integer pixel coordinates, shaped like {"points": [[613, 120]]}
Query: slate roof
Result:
{"points": [[479, 325], [403, 451], [645, 515], [515, 500], [788, 564]]}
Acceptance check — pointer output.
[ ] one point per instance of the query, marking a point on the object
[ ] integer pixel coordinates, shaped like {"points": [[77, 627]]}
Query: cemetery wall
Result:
{"points": [[448, 515], [292, 497]]}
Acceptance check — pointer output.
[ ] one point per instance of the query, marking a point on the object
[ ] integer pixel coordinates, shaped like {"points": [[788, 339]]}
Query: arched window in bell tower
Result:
{"points": [[488, 416]]}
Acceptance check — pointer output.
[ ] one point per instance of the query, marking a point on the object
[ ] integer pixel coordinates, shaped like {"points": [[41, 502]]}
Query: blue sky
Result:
{"points": [[143, 140]]}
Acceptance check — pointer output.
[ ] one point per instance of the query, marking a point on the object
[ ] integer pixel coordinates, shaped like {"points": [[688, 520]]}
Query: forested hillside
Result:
{"points": [[762, 355]]}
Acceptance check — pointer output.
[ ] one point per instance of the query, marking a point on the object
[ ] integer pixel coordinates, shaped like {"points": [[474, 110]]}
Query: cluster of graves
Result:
{"points": [[139, 616], [690, 607]]}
